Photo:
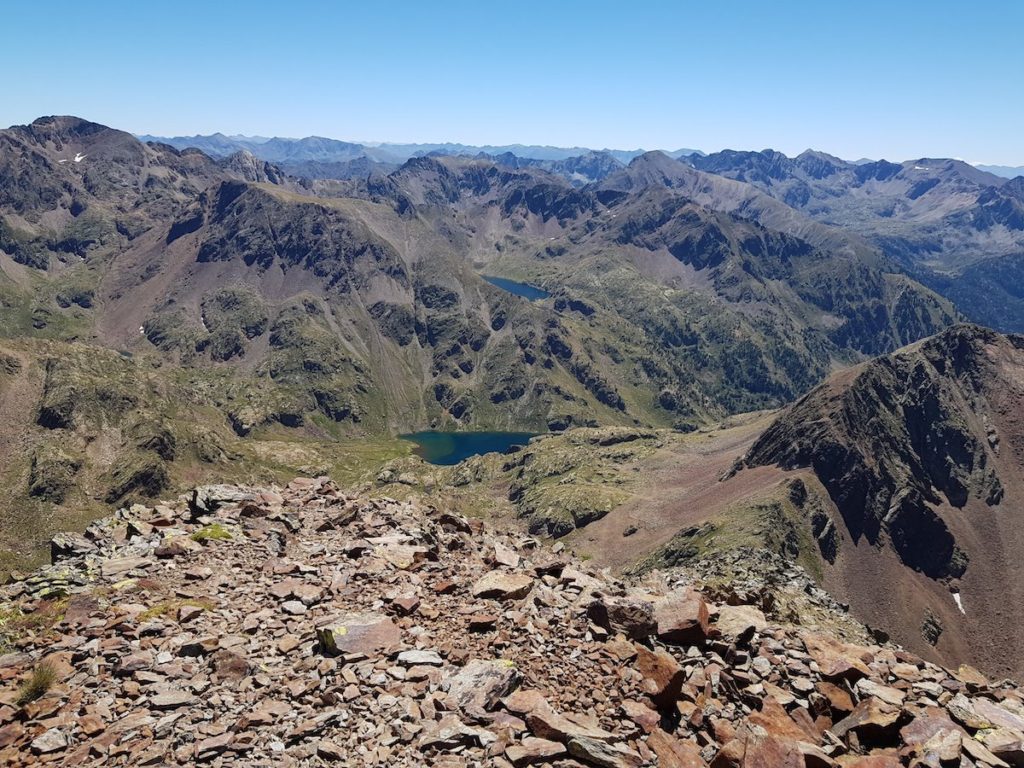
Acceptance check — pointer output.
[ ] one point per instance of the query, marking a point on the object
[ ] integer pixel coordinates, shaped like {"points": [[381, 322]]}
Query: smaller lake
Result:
{"points": [[519, 289], [452, 447]]}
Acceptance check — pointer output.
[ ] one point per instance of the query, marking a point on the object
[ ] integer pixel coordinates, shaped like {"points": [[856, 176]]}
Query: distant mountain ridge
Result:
{"points": [[317, 157], [320, 149], [677, 296], [1007, 171], [951, 225]]}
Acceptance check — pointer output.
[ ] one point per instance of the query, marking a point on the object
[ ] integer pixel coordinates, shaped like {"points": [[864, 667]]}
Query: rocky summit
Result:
{"points": [[306, 625]]}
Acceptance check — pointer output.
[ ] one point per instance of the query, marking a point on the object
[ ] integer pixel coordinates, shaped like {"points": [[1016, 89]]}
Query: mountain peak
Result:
{"points": [[913, 451], [651, 157], [67, 126]]}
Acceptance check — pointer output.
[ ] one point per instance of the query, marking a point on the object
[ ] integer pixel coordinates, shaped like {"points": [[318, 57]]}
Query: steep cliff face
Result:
{"points": [[921, 454]]}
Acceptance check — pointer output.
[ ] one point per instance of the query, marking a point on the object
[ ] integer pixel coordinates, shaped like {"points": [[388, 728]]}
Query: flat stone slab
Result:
{"points": [[503, 586], [357, 633]]}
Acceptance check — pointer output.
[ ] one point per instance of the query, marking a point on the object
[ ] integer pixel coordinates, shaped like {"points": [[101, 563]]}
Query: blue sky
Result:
{"points": [[896, 79]]}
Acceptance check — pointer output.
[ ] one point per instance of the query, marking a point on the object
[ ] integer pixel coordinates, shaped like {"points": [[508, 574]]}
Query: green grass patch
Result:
{"points": [[212, 532], [39, 682], [171, 607], [16, 626], [771, 522]]}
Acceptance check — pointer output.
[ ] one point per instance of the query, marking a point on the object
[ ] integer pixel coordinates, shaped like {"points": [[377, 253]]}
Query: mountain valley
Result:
{"points": [[737, 369]]}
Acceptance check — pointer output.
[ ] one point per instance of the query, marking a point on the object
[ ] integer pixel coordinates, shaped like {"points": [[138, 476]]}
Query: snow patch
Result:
{"points": [[79, 157], [959, 603], [142, 329]]}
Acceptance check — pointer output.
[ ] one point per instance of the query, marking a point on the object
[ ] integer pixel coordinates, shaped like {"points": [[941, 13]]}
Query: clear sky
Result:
{"points": [[897, 79]]}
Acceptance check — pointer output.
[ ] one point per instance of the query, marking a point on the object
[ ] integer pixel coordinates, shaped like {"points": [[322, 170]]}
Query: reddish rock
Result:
{"points": [[777, 722], [971, 677], [171, 700], [202, 646], [445, 587], [839, 700], [1002, 744], [759, 752], [480, 684], [648, 719], [505, 555], [503, 586], [357, 633], [329, 751], [229, 665], [870, 761], [524, 701], [555, 727], [10, 734], [663, 677], [682, 618], [815, 757], [872, 720], [631, 615], [533, 750], [407, 605], [79, 609], [837, 660], [737, 623], [998, 715], [925, 726], [482, 622], [136, 662], [602, 754], [673, 752], [886, 693], [207, 749], [91, 725]]}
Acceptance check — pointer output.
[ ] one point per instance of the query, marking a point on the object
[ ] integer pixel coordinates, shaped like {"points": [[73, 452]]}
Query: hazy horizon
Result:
{"points": [[879, 80], [377, 143]]}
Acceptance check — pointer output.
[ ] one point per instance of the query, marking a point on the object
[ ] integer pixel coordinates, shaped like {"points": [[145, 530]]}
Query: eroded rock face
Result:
{"points": [[312, 636], [898, 438]]}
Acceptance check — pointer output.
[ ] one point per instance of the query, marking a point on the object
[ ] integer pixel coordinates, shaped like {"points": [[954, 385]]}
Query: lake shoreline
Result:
{"points": [[449, 448]]}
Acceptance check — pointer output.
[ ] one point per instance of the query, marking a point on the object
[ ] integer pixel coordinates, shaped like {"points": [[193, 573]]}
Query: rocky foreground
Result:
{"points": [[305, 626]]}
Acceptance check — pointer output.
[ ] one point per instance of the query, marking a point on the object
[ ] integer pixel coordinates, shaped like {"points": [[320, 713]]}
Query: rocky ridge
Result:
{"points": [[307, 626], [920, 455]]}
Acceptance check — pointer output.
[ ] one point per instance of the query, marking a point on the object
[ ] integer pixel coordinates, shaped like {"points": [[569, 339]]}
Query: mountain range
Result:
{"points": [[954, 227], [329, 158], [1009, 171], [248, 308]]}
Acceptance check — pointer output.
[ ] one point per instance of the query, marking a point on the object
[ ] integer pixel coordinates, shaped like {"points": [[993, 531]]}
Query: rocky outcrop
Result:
{"points": [[306, 626], [897, 438], [920, 457]]}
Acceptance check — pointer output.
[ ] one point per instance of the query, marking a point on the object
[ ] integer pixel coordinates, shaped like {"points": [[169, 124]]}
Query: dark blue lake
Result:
{"points": [[452, 447], [519, 289]]}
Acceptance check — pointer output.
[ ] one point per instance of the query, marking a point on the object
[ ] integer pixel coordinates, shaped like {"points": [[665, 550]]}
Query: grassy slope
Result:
{"points": [[130, 429]]}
